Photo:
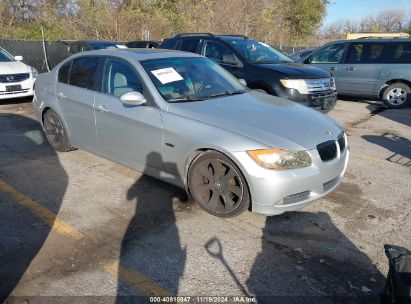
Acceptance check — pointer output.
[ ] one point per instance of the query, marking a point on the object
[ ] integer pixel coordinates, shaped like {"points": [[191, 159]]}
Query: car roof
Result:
{"points": [[372, 40], [96, 41], [139, 54]]}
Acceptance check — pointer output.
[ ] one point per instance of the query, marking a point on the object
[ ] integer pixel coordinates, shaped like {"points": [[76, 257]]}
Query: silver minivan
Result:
{"points": [[370, 68]]}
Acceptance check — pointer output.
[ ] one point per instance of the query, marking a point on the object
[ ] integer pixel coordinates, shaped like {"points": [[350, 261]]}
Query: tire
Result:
{"points": [[218, 185], [56, 132], [397, 95]]}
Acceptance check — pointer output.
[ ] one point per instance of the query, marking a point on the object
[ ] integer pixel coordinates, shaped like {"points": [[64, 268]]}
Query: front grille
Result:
{"points": [[14, 78], [341, 141], [327, 150], [320, 85]]}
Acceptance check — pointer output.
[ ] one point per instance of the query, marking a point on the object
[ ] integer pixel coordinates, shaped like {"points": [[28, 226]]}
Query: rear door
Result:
{"points": [[362, 67], [330, 58], [75, 97], [127, 133]]}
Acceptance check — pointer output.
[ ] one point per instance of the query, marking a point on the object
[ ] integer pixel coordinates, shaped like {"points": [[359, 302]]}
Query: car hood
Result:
{"points": [[297, 70], [15, 67], [272, 121]]}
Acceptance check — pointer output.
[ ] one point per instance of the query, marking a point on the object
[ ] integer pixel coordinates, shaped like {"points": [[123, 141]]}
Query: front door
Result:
{"points": [[330, 58], [221, 54], [129, 134]]}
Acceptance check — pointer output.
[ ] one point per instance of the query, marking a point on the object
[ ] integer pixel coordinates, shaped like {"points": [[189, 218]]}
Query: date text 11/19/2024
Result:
{"points": [[203, 299]]}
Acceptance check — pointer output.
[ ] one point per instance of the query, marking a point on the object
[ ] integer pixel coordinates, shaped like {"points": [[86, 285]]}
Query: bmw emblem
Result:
{"points": [[329, 133]]}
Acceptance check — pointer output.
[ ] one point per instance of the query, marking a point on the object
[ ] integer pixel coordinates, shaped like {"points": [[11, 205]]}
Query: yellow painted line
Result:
{"points": [[143, 285], [138, 281], [43, 213]]}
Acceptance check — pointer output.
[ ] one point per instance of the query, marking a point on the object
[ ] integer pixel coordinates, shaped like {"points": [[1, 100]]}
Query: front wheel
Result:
{"points": [[397, 95], [216, 183]]}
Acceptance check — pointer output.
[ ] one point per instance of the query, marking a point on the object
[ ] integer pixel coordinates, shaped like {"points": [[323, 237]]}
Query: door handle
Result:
{"points": [[350, 69], [101, 108], [333, 69]]}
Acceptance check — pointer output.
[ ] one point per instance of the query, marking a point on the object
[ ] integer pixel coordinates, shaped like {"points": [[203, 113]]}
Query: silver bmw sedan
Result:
{"points": [[181, 118]]}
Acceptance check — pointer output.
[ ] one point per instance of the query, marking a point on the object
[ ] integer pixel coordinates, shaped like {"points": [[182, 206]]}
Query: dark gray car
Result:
{"points": [[368, 68]]}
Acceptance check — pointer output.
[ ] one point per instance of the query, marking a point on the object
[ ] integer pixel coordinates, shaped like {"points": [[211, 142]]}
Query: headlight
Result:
{"points": [[34, 73], [281, 159], [332, 82], [298, 84]]}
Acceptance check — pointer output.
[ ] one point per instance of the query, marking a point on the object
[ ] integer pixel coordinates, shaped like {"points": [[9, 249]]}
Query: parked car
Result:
{"points": [[262, 67], [368, 68], [145, 44], [301, 54], [183, 119], [89, 45], [16, 78]]}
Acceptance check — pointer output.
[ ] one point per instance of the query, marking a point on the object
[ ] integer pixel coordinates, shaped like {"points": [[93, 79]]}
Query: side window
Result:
{"points": [[189, 45], [119, 78], [218, 52], [64, 72], [330, 54], [400, 52], [366, 52], [84, 72]]}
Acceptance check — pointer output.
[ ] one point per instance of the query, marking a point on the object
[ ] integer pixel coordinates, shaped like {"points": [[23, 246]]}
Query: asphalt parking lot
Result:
{"points": [[74, 224]]}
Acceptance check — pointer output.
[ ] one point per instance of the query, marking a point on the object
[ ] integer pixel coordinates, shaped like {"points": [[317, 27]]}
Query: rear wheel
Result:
{"points": [[397, 95], [216, 183], [55, 132]]}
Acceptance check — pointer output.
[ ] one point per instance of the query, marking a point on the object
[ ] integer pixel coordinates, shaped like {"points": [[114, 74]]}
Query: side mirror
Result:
{"points": [[133, 99], [243, 81], [18, 58]]}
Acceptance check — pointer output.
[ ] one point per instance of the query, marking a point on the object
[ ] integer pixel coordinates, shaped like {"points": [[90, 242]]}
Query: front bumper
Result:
{"points": [[323, 101], [277, 191], [27, 89]]}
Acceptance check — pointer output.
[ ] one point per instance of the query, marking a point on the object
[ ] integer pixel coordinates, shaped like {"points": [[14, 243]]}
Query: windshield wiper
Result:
{"points": [[186, 99], [226, 93]]}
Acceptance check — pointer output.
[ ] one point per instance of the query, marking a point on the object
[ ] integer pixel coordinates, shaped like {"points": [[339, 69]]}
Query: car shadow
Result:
{"points": [[399, 146], [151, 245], [16, 100], [29, 167], [305, 258]]}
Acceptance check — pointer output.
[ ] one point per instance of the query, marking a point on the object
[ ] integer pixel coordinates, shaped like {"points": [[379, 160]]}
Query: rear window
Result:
{"points": [[84, 72], [64, 72], [400, 52]]}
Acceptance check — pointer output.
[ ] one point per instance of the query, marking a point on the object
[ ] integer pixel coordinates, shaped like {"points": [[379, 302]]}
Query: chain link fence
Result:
{"points": [[53, 52], [37, 55]]}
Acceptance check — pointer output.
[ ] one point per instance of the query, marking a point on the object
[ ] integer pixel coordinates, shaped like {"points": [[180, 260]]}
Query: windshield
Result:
{"points": [[5, 57], [191, 79], [257, 52]]}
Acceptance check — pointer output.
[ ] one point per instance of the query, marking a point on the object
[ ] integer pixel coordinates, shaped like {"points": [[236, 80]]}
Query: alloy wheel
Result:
{"points": [[217, 186], [397, 96]]}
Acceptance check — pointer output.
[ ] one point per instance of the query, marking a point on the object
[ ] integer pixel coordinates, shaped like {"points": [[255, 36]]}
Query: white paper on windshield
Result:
{"points": [[167, 75]]}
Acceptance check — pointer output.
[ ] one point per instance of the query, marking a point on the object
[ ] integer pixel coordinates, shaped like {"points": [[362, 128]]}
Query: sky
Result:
{"points": [[356, 9]]}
